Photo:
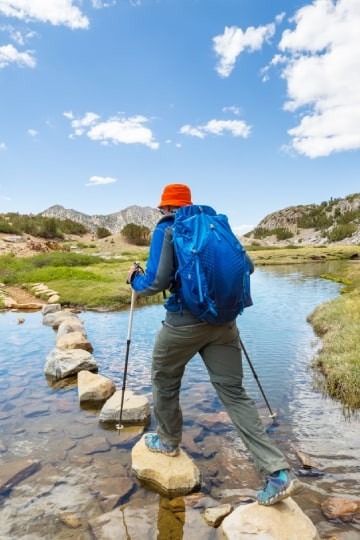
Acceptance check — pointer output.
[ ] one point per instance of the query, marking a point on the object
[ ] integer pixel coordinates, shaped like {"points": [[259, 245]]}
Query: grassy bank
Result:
{"points": [[81, 280], [338, 324], [298, 255], [93, 282]]}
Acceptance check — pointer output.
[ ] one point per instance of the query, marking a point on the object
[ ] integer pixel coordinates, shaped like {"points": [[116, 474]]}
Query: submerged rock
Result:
{"points": [[15, 472], [346, 510]]}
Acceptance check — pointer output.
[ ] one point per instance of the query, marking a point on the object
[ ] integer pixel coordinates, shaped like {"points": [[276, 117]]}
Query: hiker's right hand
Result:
{"points": [[134, 271]]}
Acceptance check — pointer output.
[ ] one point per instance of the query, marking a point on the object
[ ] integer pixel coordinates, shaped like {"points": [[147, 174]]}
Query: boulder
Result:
{"points": [[47, 308], [22, 306], [56, 318], [93, 387], [170, 475], [53, 299], [49, 292], [136, 409], [280, 521], [214, 516], [39, 288], [60, 364], [74, 340], [71, 324]]}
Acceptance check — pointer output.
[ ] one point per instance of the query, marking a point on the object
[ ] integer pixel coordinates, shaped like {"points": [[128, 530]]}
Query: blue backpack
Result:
{"points": [[213, 268]]}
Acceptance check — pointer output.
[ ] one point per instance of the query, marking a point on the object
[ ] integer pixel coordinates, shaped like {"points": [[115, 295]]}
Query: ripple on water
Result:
{"points": [[43, 421]]}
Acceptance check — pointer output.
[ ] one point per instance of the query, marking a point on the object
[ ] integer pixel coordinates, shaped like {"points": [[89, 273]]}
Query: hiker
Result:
{"points": [[181, 336]]}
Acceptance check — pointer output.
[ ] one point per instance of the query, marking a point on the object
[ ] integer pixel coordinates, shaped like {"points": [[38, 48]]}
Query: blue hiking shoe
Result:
{"points": [[279, 485], [154, 444]]}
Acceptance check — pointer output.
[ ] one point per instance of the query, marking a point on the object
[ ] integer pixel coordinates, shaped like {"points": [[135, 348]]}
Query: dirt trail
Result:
{"points": [[21, 296]]}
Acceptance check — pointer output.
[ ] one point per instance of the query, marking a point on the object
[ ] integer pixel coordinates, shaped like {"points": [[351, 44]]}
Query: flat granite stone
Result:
{"points": [[169, 475]]}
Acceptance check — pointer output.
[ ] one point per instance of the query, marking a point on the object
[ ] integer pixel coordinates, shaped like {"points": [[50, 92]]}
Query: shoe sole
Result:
{"points": [[292, 489], [172, 453]]}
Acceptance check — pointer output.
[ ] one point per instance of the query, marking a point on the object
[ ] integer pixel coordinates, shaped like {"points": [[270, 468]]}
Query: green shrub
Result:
{"points": [[39, 226], [102, 232], [138, 235], [315, 219], [341, 231], [8, 228], [260, 233], [283, 234], [348, 217], [68, 226]]}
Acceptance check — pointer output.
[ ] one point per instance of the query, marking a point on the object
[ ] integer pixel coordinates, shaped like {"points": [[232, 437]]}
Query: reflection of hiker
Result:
{"points": [[182, 336]]}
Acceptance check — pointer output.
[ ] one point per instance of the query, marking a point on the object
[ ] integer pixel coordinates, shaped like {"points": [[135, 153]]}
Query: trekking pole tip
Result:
{"points": [[273, 417], [119, 427]]}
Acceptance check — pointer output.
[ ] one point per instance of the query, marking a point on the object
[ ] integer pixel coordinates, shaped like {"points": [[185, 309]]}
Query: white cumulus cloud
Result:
{"points": [[18, 36], [10, 55], [100, 180], [2, 146], [55, 12], [229, 45], [322, 73], [115, 130], [81, 125], [232, 109], [237, 128], [99, 4]]}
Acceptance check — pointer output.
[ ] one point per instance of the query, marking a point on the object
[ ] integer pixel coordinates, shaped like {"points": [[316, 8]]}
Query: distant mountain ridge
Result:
{"points": [[143, 216], [334, 221]]}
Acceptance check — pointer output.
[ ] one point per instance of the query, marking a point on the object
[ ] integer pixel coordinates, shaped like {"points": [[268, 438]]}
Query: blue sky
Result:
{"points": [[255, 104]]}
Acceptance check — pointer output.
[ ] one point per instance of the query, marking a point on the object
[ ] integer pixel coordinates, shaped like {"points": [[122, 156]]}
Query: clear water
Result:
{"points": [[85, 469]]}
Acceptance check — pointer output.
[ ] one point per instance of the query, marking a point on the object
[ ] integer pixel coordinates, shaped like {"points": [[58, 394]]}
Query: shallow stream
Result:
{"points": [[85, 469]]}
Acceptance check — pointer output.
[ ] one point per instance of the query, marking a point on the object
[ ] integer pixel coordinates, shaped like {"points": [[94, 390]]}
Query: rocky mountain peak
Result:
{"points": [[143, 216], [333, 221]]}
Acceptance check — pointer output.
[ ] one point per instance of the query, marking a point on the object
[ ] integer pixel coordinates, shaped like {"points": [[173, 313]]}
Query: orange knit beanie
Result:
{"points": [[175, 195]]}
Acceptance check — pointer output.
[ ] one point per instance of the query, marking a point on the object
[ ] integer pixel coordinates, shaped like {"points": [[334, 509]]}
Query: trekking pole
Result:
{"points": [[119, 426], [271, 415]]}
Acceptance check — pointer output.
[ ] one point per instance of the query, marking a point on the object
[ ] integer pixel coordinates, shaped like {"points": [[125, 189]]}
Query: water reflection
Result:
{"points": [[86, 467]]}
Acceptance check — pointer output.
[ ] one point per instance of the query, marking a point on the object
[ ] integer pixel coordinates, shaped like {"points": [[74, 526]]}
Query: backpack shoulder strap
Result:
{"points": [[167, 218]]}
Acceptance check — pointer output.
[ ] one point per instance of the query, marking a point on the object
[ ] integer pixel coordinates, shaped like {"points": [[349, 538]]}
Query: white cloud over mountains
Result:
{"points": [[100, 180]]}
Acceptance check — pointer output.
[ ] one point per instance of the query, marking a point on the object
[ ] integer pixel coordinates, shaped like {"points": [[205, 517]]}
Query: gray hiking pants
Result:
{"points": [[219, 347]]}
